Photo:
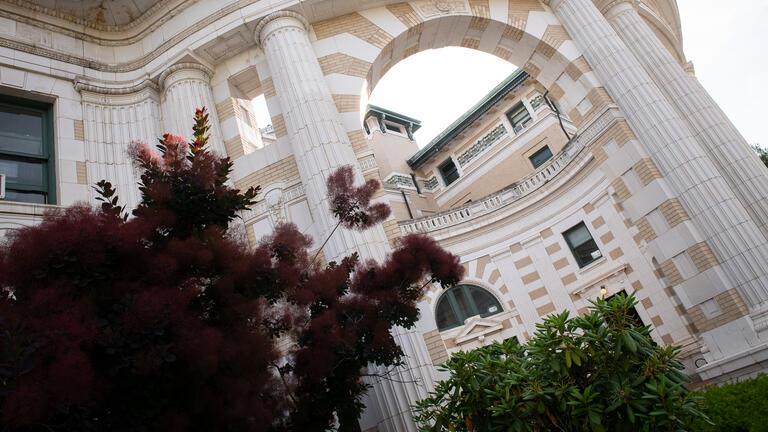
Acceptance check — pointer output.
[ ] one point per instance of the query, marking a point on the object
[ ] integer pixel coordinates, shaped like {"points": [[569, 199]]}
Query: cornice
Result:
{"points": [[129, 66], [276, 15], [137, 22], [81, 86]]}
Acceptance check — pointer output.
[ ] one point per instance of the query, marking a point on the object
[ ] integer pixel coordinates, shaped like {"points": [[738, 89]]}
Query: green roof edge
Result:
{"points": [[443, 138], [392, 115]]}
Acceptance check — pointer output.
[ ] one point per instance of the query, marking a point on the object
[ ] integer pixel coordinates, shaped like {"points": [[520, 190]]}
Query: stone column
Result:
{"points": [[717, 214], [321, 145], [729, 151], [187, 86]]}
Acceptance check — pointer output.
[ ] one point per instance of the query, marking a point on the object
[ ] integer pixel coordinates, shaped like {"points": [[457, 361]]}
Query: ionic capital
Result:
{"points": [[276, 21], [202, 72]]}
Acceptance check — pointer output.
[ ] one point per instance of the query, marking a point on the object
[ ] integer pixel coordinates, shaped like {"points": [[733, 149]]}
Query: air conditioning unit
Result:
{"points": [[2, 186]]}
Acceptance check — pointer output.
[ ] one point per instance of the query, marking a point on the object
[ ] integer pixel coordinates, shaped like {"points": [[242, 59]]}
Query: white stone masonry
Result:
{"points": [[719, 216], [321, 145], [735, 160]]}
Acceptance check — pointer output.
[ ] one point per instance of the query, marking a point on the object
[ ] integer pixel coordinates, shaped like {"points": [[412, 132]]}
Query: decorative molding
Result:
{"points": [[55, 13], [433, 8], [400, 180], [289, 193], [477, 329], [81, 86], [617, 274], [492, 137], [537, 101], [431, 183], [35, 49]]}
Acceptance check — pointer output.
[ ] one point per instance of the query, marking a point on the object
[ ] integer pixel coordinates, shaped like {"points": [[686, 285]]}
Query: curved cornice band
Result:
{"points": [[81, 86]]}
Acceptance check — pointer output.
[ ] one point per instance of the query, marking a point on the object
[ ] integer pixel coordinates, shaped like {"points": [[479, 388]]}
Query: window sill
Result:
{"points": [[592, 265]]}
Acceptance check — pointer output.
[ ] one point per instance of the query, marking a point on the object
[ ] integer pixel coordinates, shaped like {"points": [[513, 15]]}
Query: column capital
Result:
{"points": [[277, 20], [204, 73], [602, 5]]}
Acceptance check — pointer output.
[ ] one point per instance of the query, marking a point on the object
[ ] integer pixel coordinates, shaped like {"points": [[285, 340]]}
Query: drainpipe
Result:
{"points": [[405, 198], [557, 112]]}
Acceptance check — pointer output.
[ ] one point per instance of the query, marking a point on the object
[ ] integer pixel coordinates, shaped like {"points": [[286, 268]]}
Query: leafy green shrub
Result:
{"points": [[600, 372], [737, 407]]}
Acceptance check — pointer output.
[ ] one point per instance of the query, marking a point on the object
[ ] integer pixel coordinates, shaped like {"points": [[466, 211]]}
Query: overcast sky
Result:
{"points": [[726, 44]]}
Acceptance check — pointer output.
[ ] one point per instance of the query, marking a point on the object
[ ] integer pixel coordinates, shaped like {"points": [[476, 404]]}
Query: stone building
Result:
{"points": [[601, 166]]}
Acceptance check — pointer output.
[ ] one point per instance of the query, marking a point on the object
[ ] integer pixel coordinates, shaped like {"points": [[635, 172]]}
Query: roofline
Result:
{"points": [[469, 117]]}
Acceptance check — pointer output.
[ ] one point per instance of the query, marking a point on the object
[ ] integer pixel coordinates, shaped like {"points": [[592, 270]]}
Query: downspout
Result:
{"points": [[557, 112], [405, 198]]}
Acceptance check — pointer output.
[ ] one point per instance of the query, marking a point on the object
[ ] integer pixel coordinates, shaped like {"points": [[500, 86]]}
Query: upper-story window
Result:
{"points": [[462, 302], [26, 151], [541, 156], [393, 127], [448, 171], [582, 245], [519, 117]]}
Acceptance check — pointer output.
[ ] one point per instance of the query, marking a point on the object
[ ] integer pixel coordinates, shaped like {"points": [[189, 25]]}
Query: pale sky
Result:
{"points": [[725, 44]]}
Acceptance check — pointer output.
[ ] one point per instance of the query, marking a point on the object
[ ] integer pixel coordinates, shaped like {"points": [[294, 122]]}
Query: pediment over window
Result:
{"points": [[477, 329]]}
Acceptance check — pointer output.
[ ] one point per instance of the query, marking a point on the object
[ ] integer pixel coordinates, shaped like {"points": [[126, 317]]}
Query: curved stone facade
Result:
{"points": [[604, 130]]}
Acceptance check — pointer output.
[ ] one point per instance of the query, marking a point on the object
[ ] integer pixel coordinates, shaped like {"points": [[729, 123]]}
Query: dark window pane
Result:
{"points": [[21, 131], [518, 117], [582, 245], [464, 303], [449, 172], [18, 171], [446, 318], [23, 196], [586, 252], [393, 127], [485, 303], [541, 156]]}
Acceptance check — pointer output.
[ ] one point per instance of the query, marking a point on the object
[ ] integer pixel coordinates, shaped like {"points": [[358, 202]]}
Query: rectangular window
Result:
{"points": [[541, 156], [519, 117], [392, 127], [449, 171], [582, 245], [26, 151]]}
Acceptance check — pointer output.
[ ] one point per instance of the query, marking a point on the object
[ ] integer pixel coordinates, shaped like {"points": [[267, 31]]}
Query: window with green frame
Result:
{"points": [[541, 156], [462, 302], [582, 245], [26, 150], [519, 117]]}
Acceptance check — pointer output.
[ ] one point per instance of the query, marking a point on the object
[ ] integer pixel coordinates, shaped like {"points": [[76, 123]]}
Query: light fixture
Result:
{"points": [[603, 291]]}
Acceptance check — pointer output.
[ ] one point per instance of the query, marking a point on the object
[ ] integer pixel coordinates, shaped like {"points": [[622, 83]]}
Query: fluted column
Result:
{"points": [[732, 156], [719, 217], [321, 145], [187, 86]]}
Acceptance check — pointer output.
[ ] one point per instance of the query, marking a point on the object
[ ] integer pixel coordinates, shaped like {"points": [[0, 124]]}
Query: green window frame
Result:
{"points": [[542, 155], [449, 171], [582, 245], [27, 159], [462, 302], [519, 117]]}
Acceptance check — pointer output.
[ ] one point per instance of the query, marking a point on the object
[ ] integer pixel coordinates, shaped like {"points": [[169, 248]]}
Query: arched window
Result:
{"points": [[464, 301]]}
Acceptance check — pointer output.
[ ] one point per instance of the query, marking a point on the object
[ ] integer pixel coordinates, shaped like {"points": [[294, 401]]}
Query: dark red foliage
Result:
{"points": [[352, 205], [162, 322]]}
